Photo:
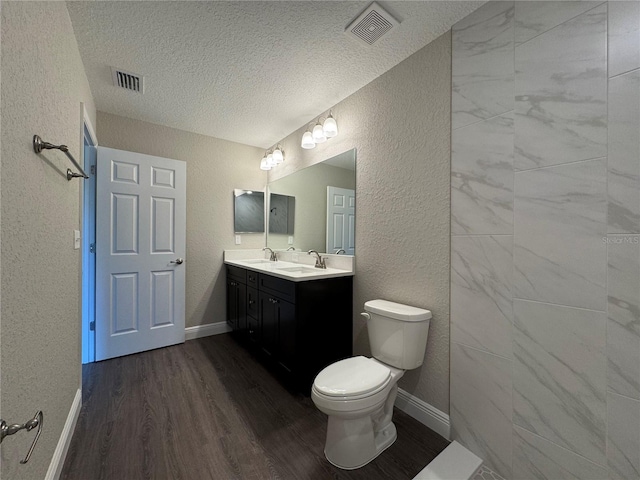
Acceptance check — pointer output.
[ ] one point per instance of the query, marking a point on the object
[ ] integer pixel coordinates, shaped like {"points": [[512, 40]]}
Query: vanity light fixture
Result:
{"points": [[278, 157], [272, 158], [264, 164], [330, 127], [307, 140], [321, 132], [318, 133]]}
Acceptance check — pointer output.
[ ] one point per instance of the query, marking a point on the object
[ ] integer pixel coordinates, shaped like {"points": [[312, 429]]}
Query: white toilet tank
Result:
{"points": [[397, 333]]}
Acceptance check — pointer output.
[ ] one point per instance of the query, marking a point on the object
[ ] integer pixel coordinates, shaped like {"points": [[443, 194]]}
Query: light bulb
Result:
{"points": [[270, 161], [318, 134], [278, 158], [330, 127], [264, 165], [307, 140]]}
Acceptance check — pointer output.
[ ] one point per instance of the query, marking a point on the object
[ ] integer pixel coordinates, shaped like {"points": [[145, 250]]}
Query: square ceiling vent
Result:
{"points": [[371, 24], [127, 80]]}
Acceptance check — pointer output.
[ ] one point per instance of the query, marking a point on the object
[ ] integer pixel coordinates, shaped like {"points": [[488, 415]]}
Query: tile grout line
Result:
{"points": [[628, 72], [559, 305], [560, 24], [513, 110], [612, 392], [605, 467], [482, 350], [561, 164]]}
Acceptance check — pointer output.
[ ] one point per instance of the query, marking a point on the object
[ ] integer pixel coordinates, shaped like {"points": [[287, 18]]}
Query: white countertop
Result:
{"points": [[294, 271]]}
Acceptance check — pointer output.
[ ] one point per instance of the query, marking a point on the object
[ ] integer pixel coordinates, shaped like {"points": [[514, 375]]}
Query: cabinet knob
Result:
{"points": [[251, 302], [250, 332]]}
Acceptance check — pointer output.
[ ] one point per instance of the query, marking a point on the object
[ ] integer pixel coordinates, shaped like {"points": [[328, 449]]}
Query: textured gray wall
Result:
{"points": [[43, 83], [400, 126], [214, 168]]}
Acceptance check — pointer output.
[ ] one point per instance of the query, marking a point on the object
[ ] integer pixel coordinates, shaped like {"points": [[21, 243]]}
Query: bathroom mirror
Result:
{"points": [[324, 207], [248, 211]]}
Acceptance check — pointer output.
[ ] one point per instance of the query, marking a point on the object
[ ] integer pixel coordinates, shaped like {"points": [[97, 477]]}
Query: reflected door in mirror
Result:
{"points": [[341, 219]]}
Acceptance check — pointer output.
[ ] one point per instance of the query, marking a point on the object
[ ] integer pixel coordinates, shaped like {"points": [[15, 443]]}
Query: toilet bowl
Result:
{"points": [[358, 393]]}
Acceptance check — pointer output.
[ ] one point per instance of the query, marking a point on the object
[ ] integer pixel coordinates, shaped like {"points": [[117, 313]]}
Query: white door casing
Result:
{"points": [[140, 231], [341, 220]]}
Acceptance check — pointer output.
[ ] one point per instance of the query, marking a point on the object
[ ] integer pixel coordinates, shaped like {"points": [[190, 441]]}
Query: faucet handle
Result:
{"points": [[273, 257], [320, 263]]}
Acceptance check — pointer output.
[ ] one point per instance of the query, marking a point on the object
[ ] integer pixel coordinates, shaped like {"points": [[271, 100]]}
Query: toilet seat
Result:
{"points": [[352, 379]]}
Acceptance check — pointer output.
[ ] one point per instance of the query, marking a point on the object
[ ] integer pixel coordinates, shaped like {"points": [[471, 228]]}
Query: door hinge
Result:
{"points": [[92, 248], [92, 326], [93, 169]]}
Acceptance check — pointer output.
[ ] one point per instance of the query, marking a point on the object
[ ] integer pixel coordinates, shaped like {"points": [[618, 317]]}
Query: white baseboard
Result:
{"points": [[206, 330], [423, 412], [60, 453]]}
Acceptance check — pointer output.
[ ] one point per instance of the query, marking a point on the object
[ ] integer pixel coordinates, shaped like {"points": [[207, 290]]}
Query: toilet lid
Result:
{"points": [[350, 377]]}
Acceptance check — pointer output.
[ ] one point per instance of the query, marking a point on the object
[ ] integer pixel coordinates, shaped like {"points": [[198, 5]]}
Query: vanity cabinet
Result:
{"points": [[236, 299], [297, 328]]}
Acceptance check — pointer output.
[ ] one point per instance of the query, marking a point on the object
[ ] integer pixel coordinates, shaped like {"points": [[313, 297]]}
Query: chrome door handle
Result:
{"points": [[178, 261]]}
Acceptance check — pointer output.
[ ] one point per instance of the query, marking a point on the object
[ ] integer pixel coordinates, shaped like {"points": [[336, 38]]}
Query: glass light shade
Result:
{"points": [[270, 161], [318, 134], [264, 165], [307, 140], [330, 127], [278, 158]]}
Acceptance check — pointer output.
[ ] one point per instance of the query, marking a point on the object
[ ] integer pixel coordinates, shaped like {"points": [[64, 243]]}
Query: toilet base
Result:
{"points": [[352, 443]]}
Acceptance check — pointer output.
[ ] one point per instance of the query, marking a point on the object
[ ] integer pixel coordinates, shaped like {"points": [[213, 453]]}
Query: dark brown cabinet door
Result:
{"points": [[269, 323], [286, 313], [278, 319], [236, 305]]}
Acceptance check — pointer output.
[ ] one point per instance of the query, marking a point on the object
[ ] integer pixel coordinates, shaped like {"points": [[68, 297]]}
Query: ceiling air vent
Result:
{"points": [[372, 24], [127, 80]]}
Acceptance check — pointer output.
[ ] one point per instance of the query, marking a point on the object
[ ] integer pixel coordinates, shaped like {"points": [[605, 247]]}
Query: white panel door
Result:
{"points": [[140, 248], [341, 220]]}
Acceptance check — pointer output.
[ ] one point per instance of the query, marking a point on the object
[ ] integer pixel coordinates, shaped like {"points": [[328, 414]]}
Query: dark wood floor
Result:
{"points": [[208, 409]]}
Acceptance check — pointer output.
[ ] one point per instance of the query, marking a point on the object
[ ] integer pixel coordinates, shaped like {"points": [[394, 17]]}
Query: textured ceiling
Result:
{"points": [[250, 72]]}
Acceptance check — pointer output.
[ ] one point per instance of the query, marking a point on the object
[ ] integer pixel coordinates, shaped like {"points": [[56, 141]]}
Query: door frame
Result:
{"points": [[88, 228]]}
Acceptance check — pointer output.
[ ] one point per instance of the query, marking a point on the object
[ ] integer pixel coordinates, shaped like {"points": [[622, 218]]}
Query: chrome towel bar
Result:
{"points": [[39, 145]]}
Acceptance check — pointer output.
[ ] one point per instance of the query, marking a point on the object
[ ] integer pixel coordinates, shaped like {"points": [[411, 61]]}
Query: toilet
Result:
{"points": [[358, 393]]}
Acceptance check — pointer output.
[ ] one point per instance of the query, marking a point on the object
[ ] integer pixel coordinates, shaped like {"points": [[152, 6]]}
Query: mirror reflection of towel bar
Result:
{"points": [[39, 145]]}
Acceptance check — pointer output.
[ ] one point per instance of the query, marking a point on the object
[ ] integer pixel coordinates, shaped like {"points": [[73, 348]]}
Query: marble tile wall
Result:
{"points": [[545, 212]]}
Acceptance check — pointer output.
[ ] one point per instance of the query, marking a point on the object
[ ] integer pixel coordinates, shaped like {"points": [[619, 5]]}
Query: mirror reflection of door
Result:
{"points": [[341, 220]]}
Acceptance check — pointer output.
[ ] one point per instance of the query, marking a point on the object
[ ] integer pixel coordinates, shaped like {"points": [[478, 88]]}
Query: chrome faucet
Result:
{"points": [[273, 257], [319, 260], [340, 251]]}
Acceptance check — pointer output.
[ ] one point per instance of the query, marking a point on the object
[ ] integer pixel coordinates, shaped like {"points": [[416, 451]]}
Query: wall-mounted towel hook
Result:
{"points": [[39, 145]]}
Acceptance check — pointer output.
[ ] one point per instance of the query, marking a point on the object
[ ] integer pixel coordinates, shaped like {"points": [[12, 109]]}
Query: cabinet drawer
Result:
{"points": [[252, 279], [282, 288], [237, 273], [252, 302]]}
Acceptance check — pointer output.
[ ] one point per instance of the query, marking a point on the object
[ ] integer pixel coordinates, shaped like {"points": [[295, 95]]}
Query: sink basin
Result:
{"points": [[297, 270], [257, 261]]}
